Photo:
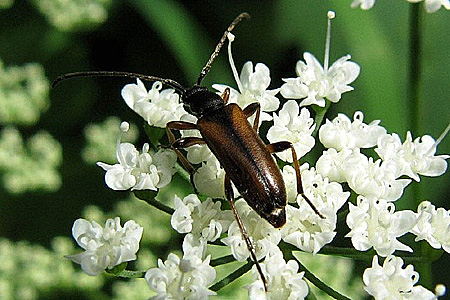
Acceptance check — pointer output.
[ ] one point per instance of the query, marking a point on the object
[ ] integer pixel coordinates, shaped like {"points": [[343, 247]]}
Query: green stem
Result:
{"points": [[320, 114], [354, 254], [148, 196], [222, 260], [232, 277], [131, 274], [416, 110], [414, 80]]}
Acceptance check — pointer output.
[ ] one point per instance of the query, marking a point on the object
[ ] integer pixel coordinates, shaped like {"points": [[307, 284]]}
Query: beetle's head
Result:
{"points": [[198, 100]]}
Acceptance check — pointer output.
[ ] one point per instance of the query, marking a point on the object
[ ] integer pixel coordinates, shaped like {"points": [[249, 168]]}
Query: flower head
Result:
{"points": [[203, 219], [209, 178], [263, 235], [105, 247], [413, 158], [185, 278], [252, 84], [156, 106], [314, 84], [392, 281], [283, 280], [433, 225], [139, 171], [374, 223], [294, 126], [373, 178], [304, 228], [342, 133]]}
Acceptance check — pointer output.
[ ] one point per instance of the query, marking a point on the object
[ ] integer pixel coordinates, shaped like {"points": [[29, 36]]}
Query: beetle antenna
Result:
{"points": [[169, 82], [207, 67]]}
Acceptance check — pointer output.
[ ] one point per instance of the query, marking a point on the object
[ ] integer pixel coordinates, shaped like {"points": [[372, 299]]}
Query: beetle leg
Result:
{"points": [[176, 144], [281, 146], [229, 193], [250, 109], [226, 95]]}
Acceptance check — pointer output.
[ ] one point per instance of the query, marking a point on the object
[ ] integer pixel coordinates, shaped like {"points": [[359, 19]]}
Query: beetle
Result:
{"points": [[225, 129]]}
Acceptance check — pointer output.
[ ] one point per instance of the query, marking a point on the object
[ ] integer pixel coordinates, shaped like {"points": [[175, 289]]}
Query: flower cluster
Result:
{"points": [[139, 170], [185, 278], [156, 106], [433, 225], [105, 247], [41, 153], [373, 220], [345, 167], [391, 281], [284, 280], [73, 15], [29, 88], [205, 220]]}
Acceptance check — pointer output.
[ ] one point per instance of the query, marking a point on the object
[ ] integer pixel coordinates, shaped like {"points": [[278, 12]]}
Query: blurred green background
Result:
{"points": [[173, 39]]}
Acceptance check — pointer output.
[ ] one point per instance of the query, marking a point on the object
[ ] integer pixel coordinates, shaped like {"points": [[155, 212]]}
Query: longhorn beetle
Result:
{"points": [[224, 128]]}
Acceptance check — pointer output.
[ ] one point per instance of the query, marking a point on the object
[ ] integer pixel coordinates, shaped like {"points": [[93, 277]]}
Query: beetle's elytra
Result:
{"points": [[224, 128]]}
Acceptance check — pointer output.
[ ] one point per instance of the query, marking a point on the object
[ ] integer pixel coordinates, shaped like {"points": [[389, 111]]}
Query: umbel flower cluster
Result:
{"points": [[343, 169]]}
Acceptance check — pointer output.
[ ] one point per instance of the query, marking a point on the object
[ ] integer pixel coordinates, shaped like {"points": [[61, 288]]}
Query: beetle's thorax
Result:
{"points": [[199, 101]]}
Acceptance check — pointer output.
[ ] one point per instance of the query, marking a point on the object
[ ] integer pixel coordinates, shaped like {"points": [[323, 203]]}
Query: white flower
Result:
{"points": [[186, 278], [413, 158], [196, 153], [433, 225], [330, 162], [209, 178], [105, 248], [155, 106], [139, 171], [253, 88], [263, 235], [342, 133], [374, 223], [392, 281], [369, 178], [304, 228], [326, 195], [283, 280], [203, 219], [364, 4], [294, 126], [252, 85], [315, 83], [433, 5]]}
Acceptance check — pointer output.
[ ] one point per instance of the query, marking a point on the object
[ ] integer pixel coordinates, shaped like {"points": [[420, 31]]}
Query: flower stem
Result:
{"points": [[320, 114], [232, 277], [131, 274], [416, 109], [149, 197], [414, 80], [222, 260]]}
